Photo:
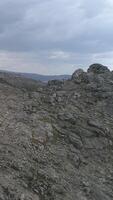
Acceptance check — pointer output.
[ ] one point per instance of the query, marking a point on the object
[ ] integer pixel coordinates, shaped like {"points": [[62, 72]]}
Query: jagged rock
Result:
{"points": [[98, 68], [56, 139], [56, 83]]}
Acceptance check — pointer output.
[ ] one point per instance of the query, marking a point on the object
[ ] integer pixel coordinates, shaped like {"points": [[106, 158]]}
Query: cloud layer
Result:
{"points": [[55, 36]]}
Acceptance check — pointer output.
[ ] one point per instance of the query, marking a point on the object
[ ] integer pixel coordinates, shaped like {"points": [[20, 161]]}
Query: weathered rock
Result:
{"points": [[56, 140], [98, 68], [80, 76]]}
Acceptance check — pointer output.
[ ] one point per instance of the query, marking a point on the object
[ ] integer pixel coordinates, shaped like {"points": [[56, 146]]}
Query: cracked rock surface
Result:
{"points": [[56, 140]]}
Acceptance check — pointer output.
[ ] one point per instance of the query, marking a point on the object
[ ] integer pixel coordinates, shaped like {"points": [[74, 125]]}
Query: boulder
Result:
{"points": [[79, 76], [98, 68]]}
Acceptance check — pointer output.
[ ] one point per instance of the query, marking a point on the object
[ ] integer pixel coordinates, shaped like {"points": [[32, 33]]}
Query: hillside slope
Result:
{"points": [[56, 140], [37, 77]]}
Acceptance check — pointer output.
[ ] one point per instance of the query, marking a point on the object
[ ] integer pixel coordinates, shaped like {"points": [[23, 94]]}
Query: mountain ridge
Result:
{"points": [[40, 77], [56, 139]]}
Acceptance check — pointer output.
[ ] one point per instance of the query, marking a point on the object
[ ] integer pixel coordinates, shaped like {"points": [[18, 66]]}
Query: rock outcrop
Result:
{"points": [[56, 140], [98, 68], [79, 76]]}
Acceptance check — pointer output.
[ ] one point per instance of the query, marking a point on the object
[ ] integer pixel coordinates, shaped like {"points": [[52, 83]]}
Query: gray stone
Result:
{"points": [[56, 139], [79, 76], [98, 68]]}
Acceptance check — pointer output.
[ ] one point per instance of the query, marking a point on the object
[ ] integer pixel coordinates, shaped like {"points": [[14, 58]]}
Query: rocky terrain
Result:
{"points": [[56, 139]]}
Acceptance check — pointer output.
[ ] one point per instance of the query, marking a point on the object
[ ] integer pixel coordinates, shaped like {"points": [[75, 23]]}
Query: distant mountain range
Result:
{"points": [[43, 78]]}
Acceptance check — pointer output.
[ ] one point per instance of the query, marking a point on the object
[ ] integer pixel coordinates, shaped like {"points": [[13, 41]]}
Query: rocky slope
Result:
{"points": [[56, 140]]}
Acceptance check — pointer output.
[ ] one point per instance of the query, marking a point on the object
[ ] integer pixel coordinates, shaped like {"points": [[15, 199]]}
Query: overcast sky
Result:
{"points": [[55, 36]]}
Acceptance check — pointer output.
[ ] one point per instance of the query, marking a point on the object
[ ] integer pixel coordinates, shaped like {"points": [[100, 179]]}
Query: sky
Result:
{"points": [[55, 36]]}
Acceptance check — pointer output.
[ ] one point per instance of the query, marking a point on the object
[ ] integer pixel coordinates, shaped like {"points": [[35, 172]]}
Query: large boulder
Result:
{"points": [[98, 68], [79, 76]]}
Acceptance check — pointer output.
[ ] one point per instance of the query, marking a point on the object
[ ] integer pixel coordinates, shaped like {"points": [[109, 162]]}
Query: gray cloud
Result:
{"points": [[54, 36]]}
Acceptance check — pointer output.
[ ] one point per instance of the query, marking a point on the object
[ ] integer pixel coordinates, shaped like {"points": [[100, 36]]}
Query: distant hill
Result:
{"points": [[39, 77]]}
